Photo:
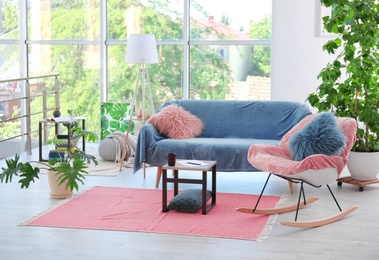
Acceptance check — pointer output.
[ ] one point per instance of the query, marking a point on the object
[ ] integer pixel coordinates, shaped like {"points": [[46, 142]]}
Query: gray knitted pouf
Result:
{"points": [[108, 150]]}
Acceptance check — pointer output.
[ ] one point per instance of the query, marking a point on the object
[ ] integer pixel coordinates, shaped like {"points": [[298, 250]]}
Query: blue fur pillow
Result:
{"points": [[189, 200], [320, 136]]}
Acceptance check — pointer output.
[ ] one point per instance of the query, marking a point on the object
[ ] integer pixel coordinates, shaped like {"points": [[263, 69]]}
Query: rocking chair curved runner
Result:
{"points": [[315, 170]]}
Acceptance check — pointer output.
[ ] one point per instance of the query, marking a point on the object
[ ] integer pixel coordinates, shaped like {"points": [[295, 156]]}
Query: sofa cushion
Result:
{"points": [[175, 122], [320, 136], [189, 201]]}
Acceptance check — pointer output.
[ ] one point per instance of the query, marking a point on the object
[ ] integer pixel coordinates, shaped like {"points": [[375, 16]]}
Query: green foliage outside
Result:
{"points": [[7, 130], [261, 54], [10, 17]]}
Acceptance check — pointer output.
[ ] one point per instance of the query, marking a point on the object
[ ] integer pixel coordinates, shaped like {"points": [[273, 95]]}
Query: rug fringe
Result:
{"points": [[271, 221], [54, 206]]}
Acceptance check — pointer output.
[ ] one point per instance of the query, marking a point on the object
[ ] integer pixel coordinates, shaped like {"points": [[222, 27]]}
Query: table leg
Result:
{"points": [[176, 182], [214, 185], [83, 139], [164, 191], [69, 136], [204, 193], [40, 140]]}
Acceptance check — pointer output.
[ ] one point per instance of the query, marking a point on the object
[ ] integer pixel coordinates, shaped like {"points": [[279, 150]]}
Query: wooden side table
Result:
{"points": [[57, 122], [180, 165]]}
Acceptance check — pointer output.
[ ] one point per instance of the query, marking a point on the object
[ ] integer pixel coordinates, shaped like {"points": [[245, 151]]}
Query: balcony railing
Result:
{"points": [[16, 98]]}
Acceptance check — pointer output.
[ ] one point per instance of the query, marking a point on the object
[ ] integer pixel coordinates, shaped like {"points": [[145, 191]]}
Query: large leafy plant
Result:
{"points": [[350, 86], [70, 169]]}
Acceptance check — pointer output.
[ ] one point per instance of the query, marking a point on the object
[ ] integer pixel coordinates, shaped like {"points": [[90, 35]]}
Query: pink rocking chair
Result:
{"points": [[315, 170]]}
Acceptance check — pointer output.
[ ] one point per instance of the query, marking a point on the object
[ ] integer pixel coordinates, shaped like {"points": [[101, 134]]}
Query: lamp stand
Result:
{"points": [[143, 74]]}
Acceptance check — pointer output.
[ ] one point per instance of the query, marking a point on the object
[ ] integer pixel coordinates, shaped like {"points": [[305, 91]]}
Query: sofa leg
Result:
{"points": [[290, 184], [159, 174]]}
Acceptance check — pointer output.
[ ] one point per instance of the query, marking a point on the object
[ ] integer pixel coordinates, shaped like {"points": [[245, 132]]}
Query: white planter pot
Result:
{"points": [[57, 191], [363, 166]]}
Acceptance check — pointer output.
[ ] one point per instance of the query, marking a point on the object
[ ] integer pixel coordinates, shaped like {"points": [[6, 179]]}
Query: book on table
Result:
{"points": [[191, 163], [56, 153], [63, 142]]}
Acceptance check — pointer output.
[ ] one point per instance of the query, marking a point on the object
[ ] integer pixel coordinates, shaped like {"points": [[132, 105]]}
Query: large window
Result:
{"points": [[208, 49]]}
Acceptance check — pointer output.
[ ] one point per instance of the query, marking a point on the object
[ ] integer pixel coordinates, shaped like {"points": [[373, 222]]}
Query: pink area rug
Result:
{"points": [[127, 209]]}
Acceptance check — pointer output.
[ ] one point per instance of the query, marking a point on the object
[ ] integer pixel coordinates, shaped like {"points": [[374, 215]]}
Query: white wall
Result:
{"points": [[296, 49]]}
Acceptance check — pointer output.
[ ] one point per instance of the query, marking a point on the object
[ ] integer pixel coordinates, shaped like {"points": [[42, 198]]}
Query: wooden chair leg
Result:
{"points": [[159, 174], [290, 184], [320, 222]]}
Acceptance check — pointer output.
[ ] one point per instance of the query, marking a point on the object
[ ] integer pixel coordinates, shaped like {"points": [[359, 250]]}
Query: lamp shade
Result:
{"points": [[142, 49]]}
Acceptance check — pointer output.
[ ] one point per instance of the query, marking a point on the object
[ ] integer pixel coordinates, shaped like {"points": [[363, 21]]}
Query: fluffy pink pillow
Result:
{"points": [[175, 122]]}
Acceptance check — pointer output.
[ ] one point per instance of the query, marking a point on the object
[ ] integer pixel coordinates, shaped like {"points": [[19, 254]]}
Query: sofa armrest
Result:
{"points": [[148, 136]]}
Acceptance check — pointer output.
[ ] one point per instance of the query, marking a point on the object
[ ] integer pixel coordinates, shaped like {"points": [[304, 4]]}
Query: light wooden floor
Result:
{"points": [[355, 237]]}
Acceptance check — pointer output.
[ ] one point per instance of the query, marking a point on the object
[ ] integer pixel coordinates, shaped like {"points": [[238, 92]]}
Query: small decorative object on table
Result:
{"points": [[57, 112], [171, 159]]}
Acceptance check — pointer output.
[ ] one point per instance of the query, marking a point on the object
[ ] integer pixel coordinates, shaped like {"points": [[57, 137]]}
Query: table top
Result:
{"points": [[197, 165], [63, 119]]}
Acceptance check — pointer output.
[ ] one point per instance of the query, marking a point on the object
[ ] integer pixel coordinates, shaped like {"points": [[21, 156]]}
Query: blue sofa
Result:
{"points": [[230, 127]]}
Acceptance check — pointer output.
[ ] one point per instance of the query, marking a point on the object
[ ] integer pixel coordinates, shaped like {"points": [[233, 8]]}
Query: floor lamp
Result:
{"points": [[141, 50]]}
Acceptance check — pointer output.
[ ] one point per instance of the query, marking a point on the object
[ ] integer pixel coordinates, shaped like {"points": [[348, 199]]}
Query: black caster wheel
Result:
{"points": [[361, 188], [339, 184]]}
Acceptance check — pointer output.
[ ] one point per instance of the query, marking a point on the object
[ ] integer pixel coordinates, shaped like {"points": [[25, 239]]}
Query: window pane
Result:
{"points": [[236, 72], [64, 20], [9, 20], [165, 76], [162, 18], [8, 130], [79, 77], [9, 61], [230, 20]]}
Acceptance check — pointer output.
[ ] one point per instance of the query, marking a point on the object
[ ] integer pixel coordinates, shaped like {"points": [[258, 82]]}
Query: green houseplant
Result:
{"points": [[69, 170], [350, 86]]}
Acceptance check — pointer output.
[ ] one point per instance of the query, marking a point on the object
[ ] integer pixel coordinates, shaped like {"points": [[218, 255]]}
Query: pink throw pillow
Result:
{"points": [[175, 122]]}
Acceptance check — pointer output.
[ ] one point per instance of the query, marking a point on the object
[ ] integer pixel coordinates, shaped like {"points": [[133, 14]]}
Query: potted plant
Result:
{"points": [[64, 172], [75, 112], [350, 85]]}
